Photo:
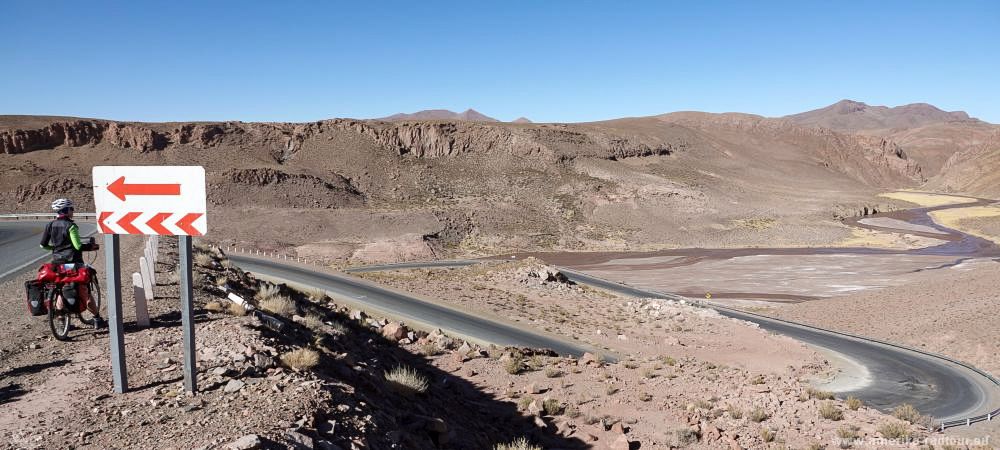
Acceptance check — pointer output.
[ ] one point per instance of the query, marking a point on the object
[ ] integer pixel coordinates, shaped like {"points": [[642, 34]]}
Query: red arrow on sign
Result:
{"points": [[186, 224], [119, 189], [156, 223], [126, 223], [102, 224]]}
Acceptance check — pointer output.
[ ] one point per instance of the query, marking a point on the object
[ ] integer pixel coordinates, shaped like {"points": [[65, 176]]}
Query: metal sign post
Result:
{"points": [[114, 284], [187, 313], [150, 200]]}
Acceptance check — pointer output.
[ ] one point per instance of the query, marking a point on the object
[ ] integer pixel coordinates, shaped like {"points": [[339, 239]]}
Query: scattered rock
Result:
{"points": [[535, 388], [589, 359], [622, 443], [248, 442], [394, 331], [299, 441], [233, 386]]}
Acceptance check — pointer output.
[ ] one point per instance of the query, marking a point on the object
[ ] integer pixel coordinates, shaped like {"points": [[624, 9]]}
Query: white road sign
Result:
{"points": [[164, 200]]}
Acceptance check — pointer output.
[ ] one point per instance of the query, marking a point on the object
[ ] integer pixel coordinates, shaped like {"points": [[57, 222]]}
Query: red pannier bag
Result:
{"points": [[35, 293], [74, 281], [48, 273]]}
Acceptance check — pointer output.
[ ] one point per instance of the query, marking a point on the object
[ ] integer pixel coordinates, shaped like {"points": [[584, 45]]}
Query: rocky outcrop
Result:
{"points": [[53, 187], [440, 139], [271, 187], [419, 139], [79, 133]]}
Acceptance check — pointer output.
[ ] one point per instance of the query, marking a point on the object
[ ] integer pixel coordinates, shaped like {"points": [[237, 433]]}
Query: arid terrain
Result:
{"points": [[864, 219]]}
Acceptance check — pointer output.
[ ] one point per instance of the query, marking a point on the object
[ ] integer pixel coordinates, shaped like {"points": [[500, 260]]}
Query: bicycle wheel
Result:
{"points": [[94, 288], [58, 320]]}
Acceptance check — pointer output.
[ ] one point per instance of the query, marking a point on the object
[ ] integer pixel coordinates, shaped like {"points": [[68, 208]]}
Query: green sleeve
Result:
{"points": [[74, 236]]}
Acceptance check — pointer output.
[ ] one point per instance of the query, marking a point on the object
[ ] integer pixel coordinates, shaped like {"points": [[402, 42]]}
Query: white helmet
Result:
{"points": [[61, 204]]}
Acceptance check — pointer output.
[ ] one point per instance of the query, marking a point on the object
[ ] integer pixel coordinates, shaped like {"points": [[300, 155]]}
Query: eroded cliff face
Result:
{"points": [[416, 139], [440, 139]]}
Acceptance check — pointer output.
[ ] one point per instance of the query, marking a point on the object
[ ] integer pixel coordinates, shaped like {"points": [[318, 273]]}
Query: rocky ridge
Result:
{"points": [[422, 139]]}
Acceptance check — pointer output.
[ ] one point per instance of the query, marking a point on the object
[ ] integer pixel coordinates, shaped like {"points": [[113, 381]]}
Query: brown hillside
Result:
{"points": [[353, 189]]}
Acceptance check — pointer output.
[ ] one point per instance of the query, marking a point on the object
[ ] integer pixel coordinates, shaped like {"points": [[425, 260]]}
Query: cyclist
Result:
{"points": [[62, 237]]}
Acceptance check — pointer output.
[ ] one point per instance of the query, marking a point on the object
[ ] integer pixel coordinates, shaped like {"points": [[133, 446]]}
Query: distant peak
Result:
{"points": [[852, 115], [847, 106], [522, 120], [470, 115]]}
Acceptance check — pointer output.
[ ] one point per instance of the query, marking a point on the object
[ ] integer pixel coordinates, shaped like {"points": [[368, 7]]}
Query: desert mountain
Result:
{"points": [[849, 115], [470, 115], [355, 189], [975, 170], [522, 120]]}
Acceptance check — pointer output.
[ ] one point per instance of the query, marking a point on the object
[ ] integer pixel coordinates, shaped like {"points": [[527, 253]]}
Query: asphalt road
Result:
{"points": [[935, 386], [19, 248], [408, 308]]}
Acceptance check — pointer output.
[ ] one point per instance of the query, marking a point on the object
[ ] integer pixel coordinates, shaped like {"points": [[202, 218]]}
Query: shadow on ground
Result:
{"points": [[452, 413]]}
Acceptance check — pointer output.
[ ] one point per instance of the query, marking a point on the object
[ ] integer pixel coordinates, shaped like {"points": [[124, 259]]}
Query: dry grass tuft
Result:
{"points": [[430, 349], [552, 372], [829, 411], [686, 436], [266, 291], [315, 295], [313, 322], [236, 309], [524, 402], [204, 259], [552, 407], [221, 281], [300, 359], [338, 327], [819, 394], [758, 415], [910, 414], [734, 412], [406, 381], [854, 403], [214, 306], [848, 433], [895, 430], [766, 435], [280, 305], [517, 444], [514, 365]]}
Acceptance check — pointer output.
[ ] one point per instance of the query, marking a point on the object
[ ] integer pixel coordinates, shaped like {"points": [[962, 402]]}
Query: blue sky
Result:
{"points": [[547, 60]]}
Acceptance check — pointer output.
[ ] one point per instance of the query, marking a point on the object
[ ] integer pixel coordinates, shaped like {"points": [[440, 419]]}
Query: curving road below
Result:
{"points": [[408, 308], [896, 375]]}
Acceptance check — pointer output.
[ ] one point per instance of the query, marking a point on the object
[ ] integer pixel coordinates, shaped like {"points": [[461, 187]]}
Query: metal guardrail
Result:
{"points": [[44, 216]]}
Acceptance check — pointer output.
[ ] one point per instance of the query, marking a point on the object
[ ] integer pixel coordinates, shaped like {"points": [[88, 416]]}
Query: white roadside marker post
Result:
{"points": [[141, 314], [147, 277]]}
